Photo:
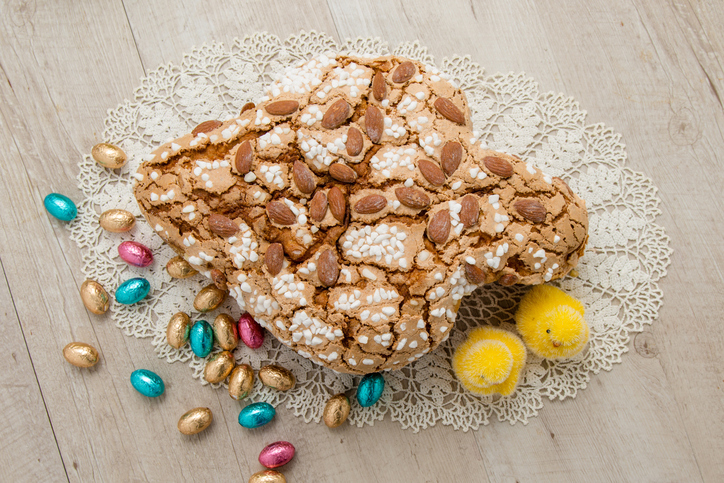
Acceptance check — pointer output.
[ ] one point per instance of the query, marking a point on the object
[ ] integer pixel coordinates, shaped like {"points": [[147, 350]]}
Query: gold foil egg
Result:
{"points": [[177, 267], [225, 332], [94, 297], [336, 410], [80, 354], [177, 331], [267, 476], [195, 421], [219, 366], [241, 381], [108, 155], [209, 298], [277, 377], [117, 221]]}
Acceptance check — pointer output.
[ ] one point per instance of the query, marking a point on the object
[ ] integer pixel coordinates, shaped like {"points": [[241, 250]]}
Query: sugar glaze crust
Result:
{"points": [[366, 176]]}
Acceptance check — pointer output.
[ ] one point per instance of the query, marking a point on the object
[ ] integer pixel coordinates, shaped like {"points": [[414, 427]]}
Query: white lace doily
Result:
{"points": [[618, 278]]}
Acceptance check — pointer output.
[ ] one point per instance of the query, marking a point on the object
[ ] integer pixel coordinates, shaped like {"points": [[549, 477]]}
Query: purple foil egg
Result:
{"points": [[135, 253], [250, 332], [276, 454]]}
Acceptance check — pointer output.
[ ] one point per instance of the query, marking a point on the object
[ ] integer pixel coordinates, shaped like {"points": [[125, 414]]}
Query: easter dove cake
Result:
{"points": [[352, 209]]}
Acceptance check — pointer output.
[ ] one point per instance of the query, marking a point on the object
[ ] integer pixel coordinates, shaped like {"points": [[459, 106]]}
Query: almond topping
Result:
{"points": [[438, 229], [508, 279], [449, 110], [219, 279], [336, 114], [244, 158], [474, 274], [451, 156], [355, 142], [470, 211], [280, 213], [337, 203], [303, 177], [412, 198], [328, 268], [282, 108], [404, 72], [318, 207], [370, 204], [379, 87], [246, 107], [205, 127], [531, 209], [432, 173], [498, 166], [222, 226], [343, 173], [274, 258], [374, 124]]}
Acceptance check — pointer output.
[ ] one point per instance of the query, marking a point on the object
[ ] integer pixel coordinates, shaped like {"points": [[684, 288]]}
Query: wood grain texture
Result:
{"points": [[650, 70]]}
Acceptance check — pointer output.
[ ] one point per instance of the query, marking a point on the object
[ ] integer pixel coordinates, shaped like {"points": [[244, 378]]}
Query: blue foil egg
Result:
{"points": [[147, 383], [60, 207], [201, 338], [132, 291], [256, 415], [370, 389]]}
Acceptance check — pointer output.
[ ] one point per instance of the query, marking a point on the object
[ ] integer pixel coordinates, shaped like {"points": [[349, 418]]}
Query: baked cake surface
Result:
{"points": [[351, 210]]}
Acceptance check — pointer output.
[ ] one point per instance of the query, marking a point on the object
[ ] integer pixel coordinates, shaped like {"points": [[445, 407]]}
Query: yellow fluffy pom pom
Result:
{"points": [[489, 361], [551, 323]]}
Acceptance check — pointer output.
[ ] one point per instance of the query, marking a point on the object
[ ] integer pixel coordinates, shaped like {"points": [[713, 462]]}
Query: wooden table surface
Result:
{"points": [[651, 70]]}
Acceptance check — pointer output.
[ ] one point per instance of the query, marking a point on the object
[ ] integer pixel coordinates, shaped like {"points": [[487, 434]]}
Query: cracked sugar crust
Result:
{"points": [[385, 206]]}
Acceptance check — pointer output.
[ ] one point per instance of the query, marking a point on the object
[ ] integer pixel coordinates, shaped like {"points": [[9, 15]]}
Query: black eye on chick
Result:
{"points": [[548, 331]]}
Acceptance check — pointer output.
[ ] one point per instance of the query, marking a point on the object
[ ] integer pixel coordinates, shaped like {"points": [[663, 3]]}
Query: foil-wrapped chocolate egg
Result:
{"points": [[277, 377], [195, 421], [61, 207], [256, 414], [276, 454], [209, 298], [241, 381], [132, 291], [225, 332], [250, 332], [147, 383], [219, 367], [108, 155], [177, 331], [94, 297], [370, 389], [80, 354], [117, 221], [177, 267], [267, 476], [201, 338], [336, 410], [135, 253]]}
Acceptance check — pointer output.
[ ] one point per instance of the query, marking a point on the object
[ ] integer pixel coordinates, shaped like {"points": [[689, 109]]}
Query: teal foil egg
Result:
{"points": [[132, 291], [60, 206], [370, 389], [201, 338], [256, 415], [147, 383]]}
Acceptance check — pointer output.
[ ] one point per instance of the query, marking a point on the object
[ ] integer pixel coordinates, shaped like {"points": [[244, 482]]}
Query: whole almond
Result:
{"points": [[432, 173], [451, 156], [337, 203], [412, 198], [219, 279], [274, 258], [336, 114], [282, 108], [438, 229], [279, 213], [449, 110], [370, 204], [531, 209], [374, 124], [355, 142], [205, 127], [328, 268], [246, 107], [508, 279], [222, 225], [404, 72], [379, 87], [469, 211], [303, 177], [498, 166], [343, 173], [474, 274], [318, 207], [244, 158]]}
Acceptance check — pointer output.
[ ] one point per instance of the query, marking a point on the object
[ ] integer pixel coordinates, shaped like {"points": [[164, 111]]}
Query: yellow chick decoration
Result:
{"points": [[489, 361], [551, 323]]}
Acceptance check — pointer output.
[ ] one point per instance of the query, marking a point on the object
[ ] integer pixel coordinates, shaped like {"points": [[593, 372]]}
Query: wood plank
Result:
{"points": [[27, 446]]}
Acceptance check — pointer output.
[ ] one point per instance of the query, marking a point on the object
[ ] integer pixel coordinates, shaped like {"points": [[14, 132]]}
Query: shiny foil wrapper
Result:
{"points": [[195, 421], [277, 377], [94, 297]]}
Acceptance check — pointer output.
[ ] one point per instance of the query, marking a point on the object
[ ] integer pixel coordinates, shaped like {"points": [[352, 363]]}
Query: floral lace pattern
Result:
{"points": [[618, 277]]}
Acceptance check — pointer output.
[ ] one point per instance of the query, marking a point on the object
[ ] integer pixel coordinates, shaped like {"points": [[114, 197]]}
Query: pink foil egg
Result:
{"points": [[135, 253], [276, 454], [250, 332]]}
